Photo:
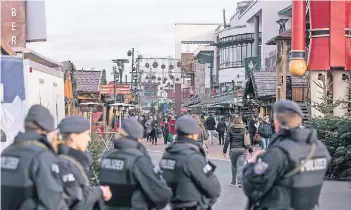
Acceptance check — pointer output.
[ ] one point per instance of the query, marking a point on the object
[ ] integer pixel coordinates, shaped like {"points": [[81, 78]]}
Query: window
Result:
{"points": [[238, 55], [249, 50], [243, 55], [234, 56]]}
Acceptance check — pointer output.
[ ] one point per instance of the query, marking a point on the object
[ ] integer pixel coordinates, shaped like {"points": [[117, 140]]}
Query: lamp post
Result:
{"points": [[281, 23], [120, 65], [135, 70], [282, 29]]}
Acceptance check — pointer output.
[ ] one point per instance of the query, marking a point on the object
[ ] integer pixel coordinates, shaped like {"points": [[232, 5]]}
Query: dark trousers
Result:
{"points": [[221, 137], [165, 136]]}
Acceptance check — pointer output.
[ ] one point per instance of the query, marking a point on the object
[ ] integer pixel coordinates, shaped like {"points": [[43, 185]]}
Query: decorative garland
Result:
{"points": [[72, 70]]}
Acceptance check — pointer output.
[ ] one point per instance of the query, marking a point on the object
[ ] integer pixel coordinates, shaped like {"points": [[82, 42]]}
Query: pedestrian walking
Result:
{"points": [[238, 140], [221, 129], [265, 131], [203, 135], [165, 129], [186, 170], [210, 127], [74, 165], [129, 172], [290, 174], [251, 124], [30, 176]]}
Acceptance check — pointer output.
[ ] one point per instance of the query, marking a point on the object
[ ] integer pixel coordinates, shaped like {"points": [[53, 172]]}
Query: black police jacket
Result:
{"points": [[30, 175], [75, 178], [267, 184], [189, 174], [134, 181]]}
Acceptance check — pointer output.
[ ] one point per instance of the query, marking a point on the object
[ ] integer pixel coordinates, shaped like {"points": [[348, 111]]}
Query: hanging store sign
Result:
{"points": [[120, 89], [13, 23]]}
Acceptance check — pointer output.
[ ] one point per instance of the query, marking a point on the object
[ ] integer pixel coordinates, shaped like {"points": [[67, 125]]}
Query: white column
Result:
{"points": [[316, 92], [340, 92]]}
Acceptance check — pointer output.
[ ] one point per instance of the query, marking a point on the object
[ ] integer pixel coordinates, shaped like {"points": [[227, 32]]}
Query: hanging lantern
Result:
{"points": [[147, 65], [154, 64], [179, 64], [171, 67], [163, 66], [159, 78], [171, 77]]}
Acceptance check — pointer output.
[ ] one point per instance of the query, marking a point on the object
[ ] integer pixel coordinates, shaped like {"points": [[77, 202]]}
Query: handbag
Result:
{"points": [[247, 140], [170, 138]]}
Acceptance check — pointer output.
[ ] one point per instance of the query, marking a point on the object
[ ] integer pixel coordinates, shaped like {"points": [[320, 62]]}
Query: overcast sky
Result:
{"points": [[92, 32]]}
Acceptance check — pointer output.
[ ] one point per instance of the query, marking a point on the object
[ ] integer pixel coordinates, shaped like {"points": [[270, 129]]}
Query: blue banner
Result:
{"points": [[165, 106], [12, 78]]}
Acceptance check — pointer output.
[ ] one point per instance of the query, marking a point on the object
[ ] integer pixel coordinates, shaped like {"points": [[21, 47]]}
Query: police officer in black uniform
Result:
{"points": [[29, 167], [290, 174], [74, 165], [134, 181], [186, 170]]}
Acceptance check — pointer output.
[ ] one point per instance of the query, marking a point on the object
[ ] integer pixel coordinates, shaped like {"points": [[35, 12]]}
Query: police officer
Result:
{"points": [[134, 181], [290, 174], [186, 170], [74, 163], [29, 167]]}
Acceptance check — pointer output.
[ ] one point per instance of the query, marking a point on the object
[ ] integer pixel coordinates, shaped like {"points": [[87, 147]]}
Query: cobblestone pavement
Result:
{"points": [[215, 150], [334, 196]]}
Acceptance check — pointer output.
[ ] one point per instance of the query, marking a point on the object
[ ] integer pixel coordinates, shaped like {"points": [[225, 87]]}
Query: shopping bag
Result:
{"points": [[170, 138], [247, 140]]}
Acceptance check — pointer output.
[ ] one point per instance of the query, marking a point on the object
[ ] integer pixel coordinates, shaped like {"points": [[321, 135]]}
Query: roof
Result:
{"points": [[264, 83], [65, 65], [36, 57], [283, 36], [88, 81]]}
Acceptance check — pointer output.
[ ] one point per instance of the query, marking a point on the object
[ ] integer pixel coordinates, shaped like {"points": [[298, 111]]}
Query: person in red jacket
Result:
{"points": [[172, 123]]}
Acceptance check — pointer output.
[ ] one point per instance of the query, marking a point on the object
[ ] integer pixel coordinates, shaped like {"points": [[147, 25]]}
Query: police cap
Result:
{"points": [[287, 106], [74, 124], [42, 117], [132, 127], [187, 125]]}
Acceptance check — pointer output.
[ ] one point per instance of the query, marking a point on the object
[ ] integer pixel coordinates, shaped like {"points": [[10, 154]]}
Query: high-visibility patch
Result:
{"points": [[314, 164], [260, 168], [113, 164], [208, 170], [167, 164], [9, 162], [55, 168], [68, 178]]}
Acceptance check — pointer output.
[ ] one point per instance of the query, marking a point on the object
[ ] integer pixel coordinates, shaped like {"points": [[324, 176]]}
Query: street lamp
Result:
{"points": [[120, 65], [281, 23]]}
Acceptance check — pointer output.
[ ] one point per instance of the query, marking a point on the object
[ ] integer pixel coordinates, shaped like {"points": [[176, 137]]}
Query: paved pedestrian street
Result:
{"points": [[334, 196]]}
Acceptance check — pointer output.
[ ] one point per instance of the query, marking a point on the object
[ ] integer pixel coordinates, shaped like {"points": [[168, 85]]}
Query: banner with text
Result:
{"points": [[120, 89]]}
